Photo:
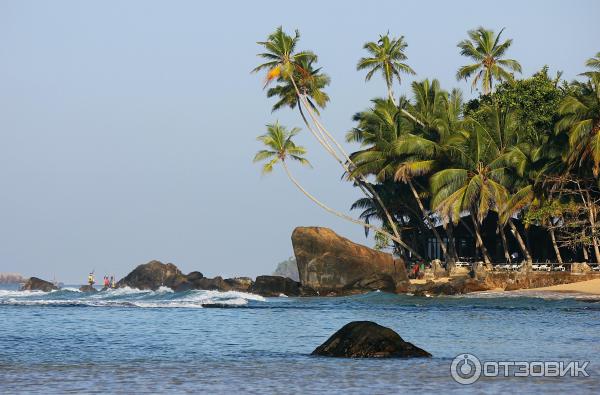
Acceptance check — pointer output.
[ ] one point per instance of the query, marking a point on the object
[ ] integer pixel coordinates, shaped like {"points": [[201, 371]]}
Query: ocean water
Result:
{"points": [[131, 341]]}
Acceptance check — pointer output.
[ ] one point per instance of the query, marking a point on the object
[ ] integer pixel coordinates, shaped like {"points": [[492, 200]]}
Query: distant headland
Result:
{"points": [[11, 278]]}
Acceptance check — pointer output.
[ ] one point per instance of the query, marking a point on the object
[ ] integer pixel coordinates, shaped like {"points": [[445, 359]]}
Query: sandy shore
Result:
{"points": [[589, 287]]}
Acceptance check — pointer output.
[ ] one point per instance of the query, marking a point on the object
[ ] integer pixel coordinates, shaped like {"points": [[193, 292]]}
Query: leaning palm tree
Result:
{"points": [[281, 56], [310, 82], [386, 56], [283, 61], [279, 148], [485, 49]]}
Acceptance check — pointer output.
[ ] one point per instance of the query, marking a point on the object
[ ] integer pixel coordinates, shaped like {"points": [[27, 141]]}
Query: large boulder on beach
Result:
{"points": [[366, 339], [275, 286], [329, 263], [153, 275], [456, 286], [37, 284]]}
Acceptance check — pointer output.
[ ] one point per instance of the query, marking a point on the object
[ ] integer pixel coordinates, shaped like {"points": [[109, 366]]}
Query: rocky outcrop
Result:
{"points": [[519, 280], [366, 339], [331, 264], [154, 275], [37, 284], [455, 286], [88, 288], [242, 284], [275, 286], [374, 282], [507, 281]]}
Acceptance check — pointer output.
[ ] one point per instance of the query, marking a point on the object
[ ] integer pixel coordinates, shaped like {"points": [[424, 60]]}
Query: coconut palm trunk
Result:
{"points": [[520, 240], [479, 241], [587, 201], [592, 217], [555, 244], [362, 182], [428, 219], [504, 244], [345, 216], [453, 254]]}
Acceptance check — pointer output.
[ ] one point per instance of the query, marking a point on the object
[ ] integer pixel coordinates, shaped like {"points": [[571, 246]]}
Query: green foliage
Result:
{"points": [[535, 101], [433, 159]]}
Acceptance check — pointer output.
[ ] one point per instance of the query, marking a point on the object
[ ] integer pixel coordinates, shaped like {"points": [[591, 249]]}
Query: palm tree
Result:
{"points": [[581, 119], [281, 56], [386, 56], [475, 182], [282, 63], [594, 62], [280, 147], [392, 151], [311, 83], [485, 49]]}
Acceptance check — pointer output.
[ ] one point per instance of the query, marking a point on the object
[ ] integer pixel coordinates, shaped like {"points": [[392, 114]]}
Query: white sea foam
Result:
{"points": [[129, 297], [70, 289]]}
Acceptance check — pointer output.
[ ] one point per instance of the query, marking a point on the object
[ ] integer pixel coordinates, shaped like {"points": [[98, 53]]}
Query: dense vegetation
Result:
{"points": [[525, 151]]}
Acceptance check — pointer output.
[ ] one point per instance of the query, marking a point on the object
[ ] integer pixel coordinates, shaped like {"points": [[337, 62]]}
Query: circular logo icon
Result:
{"points": [[465, 369]]}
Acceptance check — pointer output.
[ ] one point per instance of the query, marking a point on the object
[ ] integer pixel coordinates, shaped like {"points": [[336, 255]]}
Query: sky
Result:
{"points": [[128, 128]]}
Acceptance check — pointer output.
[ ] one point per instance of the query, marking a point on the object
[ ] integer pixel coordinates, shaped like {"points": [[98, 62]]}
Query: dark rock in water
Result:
{"points": [[366, 339], [275, 286], [242, 284], [154, 275], [37, 284], [88, 288], [374, 282], [216, 283], [331, 264]]}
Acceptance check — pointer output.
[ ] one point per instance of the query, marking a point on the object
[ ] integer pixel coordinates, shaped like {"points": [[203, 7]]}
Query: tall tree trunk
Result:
{"points": [[479, 240], [592, 218], [586, 257], [520, 241], [554, 244], [363, 184], [345, 216], [451, 242], [428, 219], [504, 244]]}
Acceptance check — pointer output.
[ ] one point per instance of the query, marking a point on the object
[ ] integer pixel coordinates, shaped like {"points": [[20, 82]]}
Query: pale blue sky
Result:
{"points": [[127, 128]]}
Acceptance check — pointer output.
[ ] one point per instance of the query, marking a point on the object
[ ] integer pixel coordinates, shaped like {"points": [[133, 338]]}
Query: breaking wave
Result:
{"points": [[129, 297]]}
